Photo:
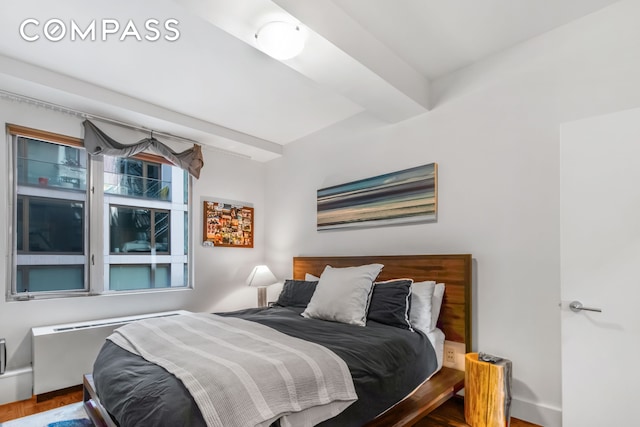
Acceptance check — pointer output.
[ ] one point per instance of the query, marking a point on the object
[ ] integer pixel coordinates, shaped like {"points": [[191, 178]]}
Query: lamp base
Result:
{"points": [[262, 296]]}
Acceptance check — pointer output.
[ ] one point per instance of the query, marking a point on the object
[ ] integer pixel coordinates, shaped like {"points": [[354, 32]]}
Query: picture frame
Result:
{"points": [[227, 224], [402, 197]]}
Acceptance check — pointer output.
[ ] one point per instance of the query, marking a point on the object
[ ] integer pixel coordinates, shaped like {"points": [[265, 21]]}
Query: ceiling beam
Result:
{"points": [[31, 80], [339, 54], [336, 26]]}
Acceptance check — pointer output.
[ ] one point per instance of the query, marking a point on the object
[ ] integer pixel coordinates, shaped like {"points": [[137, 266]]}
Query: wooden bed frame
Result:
{"points": [[455, 321]]}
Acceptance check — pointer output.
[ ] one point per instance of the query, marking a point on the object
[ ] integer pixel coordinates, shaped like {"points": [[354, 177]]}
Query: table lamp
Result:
{"points": [[260, 278]]}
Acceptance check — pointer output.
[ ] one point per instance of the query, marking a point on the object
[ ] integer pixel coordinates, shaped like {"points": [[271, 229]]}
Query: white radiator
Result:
{"points": [[63, 353]]}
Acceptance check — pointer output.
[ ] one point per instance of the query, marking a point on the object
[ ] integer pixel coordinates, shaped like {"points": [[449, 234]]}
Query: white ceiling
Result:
{"points": [[375, 57], [440, 36]]}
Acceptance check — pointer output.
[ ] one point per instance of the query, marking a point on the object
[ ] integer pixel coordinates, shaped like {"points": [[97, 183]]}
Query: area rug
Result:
{"points": [[65, 416]]}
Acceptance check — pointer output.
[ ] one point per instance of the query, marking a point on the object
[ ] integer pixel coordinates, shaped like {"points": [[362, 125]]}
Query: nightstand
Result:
{"points": [[487, 392]]}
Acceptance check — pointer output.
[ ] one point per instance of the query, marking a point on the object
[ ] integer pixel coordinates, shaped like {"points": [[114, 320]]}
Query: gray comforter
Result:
{"points": [[242, 373], [386, 364]]}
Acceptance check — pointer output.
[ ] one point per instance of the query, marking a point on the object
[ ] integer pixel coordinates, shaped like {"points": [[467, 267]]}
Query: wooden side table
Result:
{"points": [[487, 392]]}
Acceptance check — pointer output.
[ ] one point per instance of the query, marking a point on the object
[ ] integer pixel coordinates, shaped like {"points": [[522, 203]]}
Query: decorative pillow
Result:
{"points": [[391, 302], [296, 293], [421, 305], [436, 304], [310, 277], [342, 294]]}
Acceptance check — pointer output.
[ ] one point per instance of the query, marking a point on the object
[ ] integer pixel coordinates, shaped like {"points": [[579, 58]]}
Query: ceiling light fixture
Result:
{"points": [[281, 40]]}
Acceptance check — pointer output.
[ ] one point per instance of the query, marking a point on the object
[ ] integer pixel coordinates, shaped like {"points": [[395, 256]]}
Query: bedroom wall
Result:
{"points": [[494, 132], [219, 272]]}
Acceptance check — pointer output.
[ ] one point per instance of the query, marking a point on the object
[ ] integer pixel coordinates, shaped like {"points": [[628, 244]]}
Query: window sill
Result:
{"points": [[36, 297]]}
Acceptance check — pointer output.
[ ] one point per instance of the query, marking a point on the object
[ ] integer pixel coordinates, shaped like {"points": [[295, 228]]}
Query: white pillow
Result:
{"points": [[436, 304], [422, 305], [310, 277], [342, 294]]}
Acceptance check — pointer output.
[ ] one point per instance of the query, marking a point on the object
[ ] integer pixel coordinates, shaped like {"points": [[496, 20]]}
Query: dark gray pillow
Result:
{"points": [[296, 293], [391, 303]]}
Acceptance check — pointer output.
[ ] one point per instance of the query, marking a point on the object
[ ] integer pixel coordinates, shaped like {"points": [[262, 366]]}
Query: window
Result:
{"points": [[144, 276], [135, 229], [138, 178], [129, 233]]}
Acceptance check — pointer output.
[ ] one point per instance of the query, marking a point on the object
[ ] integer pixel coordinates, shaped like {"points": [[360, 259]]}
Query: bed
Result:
{"points": [[418, 398]]}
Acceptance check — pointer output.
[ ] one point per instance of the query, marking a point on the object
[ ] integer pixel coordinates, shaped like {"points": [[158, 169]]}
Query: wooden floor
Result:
{"points": [[23, 408], [451, 414]]}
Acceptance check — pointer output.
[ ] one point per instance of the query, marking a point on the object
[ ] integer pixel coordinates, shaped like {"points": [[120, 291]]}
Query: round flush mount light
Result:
{"points": [[280, 40]]}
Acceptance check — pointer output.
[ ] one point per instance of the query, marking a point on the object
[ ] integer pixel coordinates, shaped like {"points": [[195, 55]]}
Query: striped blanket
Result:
{"points": [[242, 373]]}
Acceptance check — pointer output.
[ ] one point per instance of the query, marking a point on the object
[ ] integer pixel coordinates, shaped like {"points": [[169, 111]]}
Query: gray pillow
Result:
{"points": [[342, 294], [296, 293]]}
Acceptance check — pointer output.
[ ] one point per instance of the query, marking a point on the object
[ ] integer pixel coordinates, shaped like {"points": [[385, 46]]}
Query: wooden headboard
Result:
{"points": [[452, 270]]}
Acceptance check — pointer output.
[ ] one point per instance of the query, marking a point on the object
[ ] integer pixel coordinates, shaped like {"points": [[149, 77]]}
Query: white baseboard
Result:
{"points": [[16, 384], [537, 413]]}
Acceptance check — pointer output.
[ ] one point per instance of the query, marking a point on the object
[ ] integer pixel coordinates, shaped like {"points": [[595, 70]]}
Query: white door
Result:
{"points": [[600, 267]]}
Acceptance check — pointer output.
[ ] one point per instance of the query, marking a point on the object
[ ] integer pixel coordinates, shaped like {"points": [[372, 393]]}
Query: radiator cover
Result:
{"points": [[63, 353]]}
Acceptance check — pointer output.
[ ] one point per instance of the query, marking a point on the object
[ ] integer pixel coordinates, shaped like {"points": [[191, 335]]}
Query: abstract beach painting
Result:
{"points": [[406, 196]]}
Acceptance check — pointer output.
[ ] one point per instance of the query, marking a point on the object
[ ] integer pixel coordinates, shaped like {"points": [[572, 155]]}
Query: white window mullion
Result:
{"points": [[177, 274], [51, 193], [136, 203], [177, 228], [98, 223], [177, 186], [50, 259], [134, 258], [177, 233]]}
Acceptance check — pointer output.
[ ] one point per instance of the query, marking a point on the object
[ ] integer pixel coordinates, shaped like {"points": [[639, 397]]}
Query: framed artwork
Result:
{"points": [[227, 224], [406, 196]]}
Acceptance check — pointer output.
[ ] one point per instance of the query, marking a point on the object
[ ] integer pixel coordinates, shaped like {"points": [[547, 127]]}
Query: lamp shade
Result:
{"points": [[261, 276], [281, 40]]}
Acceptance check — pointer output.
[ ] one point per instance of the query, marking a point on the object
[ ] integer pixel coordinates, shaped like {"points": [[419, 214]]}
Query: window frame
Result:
{"points": [[95, 248]]}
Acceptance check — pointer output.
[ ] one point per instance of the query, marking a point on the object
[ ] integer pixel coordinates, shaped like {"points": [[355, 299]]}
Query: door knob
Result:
{"points": [[576, 306]]}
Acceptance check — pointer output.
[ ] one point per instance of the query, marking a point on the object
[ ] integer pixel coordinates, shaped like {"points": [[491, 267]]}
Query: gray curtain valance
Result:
{"points": [[98, 143]]}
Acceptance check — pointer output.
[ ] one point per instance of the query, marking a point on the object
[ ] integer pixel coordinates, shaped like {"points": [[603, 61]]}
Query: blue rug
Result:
{"points": [[82, 422], [65, 416]]}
